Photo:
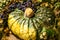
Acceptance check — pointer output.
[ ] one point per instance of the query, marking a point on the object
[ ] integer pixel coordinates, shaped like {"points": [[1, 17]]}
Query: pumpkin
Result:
{"points": [[27, 25]]}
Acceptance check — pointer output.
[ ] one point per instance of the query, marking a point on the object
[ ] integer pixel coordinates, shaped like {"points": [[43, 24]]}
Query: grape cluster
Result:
{"points": [[21, 6], [1, 16], [26, 4]]}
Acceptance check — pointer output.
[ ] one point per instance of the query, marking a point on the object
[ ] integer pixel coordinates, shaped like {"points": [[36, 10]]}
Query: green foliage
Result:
{"points": [[49, 1], [57, 5], [1, 34], [46, 13], [50, 32]]}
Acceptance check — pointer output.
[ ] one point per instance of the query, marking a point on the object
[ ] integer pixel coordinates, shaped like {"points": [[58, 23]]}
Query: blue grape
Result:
{"points": [[12, 6], [21, 6], [3, 16], [0, 15], [29, 0], [18, 5], [32, 5]]}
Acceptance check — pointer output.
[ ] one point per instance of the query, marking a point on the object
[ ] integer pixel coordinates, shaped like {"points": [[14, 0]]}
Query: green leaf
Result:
{"points": [[50, 32], [44, 29], [57, 5], [39, 0]]}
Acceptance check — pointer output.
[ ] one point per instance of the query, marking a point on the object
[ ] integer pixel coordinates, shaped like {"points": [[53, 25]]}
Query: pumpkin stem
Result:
{"points": [[28, 12]]}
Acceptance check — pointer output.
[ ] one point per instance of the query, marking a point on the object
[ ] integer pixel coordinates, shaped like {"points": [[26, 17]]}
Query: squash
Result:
{"points": [[27, 24]]}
